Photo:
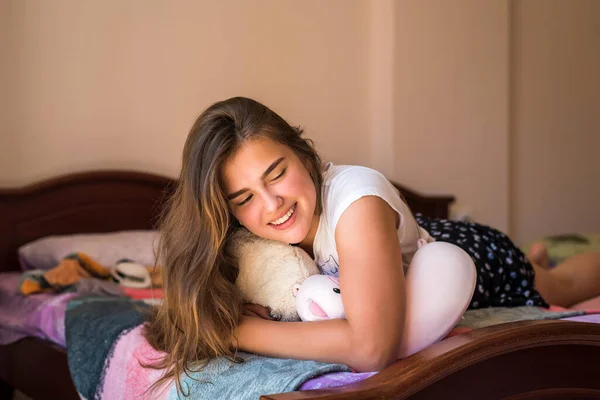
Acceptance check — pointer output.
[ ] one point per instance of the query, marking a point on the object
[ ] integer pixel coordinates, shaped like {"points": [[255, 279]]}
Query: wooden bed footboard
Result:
{"points": [[519, 360]]}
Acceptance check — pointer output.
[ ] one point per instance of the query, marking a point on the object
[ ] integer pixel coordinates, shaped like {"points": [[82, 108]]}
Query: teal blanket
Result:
{"points": [[103, 335]]}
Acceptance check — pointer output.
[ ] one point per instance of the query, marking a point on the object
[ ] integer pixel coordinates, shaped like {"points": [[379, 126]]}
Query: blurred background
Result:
{"points": [[496, 102]]}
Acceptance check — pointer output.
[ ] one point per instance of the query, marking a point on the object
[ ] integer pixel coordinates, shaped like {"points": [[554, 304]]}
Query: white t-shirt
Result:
{"points": [[342, 186]]}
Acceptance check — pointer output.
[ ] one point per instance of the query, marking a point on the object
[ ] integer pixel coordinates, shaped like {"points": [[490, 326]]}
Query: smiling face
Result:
{"points": [[270, 191]]}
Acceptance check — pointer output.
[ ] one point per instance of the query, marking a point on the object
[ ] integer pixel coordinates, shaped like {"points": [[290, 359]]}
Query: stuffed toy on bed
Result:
{"points": [[268, 271], [439, 285]]}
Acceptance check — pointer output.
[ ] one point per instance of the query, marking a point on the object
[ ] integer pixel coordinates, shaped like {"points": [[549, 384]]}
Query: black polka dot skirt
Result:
{"points": [[504, 274]]}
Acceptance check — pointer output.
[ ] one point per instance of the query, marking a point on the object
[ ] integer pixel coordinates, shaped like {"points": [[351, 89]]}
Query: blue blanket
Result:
{"points": [[94, 326]]}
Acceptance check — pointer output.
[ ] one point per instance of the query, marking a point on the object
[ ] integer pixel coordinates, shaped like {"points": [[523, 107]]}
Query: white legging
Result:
{"points": [[440, 282]]}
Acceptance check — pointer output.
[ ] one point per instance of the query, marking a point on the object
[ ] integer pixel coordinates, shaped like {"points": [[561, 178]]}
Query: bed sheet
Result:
{"points": [[40, 315]]}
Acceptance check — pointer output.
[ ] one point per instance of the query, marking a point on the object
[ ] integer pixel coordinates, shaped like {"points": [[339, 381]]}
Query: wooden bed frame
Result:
{"points": [[525, 360]]}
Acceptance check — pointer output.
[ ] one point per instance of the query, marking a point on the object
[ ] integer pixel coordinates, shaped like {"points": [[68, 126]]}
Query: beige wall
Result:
{"points": [[7, 157], [381, 77], [446, 97], [118, 84], [556, 117], [451, 99]]}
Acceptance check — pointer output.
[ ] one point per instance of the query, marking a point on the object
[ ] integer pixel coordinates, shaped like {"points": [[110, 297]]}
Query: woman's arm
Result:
{"points": [[372, 286], [372, 279]]}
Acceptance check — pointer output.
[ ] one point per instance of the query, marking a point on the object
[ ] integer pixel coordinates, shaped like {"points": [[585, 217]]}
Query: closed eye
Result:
{"points": [[246, 200], [280, 175]]}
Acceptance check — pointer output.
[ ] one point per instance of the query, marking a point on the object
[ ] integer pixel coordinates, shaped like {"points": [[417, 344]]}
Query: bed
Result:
{"points": [[527, 359]]}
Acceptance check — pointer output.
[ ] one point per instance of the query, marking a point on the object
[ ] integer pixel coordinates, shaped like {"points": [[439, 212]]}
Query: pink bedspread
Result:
{"points": [[40, 315]]}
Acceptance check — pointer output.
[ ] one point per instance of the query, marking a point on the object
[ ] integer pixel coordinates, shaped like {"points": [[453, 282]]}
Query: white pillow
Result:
{"points": [[105, 248]]}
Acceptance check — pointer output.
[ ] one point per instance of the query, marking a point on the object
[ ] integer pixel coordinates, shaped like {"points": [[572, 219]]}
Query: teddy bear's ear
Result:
{"points": [[296, 289]]}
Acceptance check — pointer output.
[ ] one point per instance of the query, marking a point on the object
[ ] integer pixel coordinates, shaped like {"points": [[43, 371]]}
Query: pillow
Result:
{"points": [[106, 248]]}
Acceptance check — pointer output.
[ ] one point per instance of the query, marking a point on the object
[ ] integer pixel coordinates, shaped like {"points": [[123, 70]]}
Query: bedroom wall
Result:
{"points": [[496, 102], [118, 84], [446, 97], [7, 158], [556, 117], [451, 103]]}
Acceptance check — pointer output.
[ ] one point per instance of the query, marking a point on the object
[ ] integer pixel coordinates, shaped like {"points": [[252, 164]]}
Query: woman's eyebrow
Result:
{"points": [[264, 175]]}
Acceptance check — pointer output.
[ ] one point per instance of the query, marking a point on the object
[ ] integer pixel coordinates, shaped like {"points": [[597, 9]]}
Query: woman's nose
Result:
{"points": [[272, 201]]}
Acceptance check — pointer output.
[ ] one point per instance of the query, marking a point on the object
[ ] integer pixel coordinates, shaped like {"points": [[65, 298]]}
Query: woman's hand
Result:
{"points": [[254, 310]]}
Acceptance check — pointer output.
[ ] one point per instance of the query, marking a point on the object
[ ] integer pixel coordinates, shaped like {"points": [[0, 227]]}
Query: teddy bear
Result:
{"points": [[268, 271]]}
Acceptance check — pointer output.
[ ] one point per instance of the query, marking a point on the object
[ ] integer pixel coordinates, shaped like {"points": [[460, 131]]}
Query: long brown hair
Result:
{"points": [[202, 306]]}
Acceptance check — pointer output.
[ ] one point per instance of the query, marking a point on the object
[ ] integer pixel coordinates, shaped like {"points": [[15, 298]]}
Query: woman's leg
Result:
{"points": [[574, 280], [439, 286]]}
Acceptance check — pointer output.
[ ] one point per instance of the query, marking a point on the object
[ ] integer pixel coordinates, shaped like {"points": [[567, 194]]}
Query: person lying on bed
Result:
{"points": [[244, 165]]}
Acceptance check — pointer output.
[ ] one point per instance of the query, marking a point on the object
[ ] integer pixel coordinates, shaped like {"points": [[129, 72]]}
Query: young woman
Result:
{"points": [[244, 165]]}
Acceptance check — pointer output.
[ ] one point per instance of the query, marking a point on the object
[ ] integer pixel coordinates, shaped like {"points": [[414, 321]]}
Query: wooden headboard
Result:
{"points": [[106, 201]]}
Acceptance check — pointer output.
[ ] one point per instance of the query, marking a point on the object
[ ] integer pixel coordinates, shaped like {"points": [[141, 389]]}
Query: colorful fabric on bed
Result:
{"points": [[106, 352], [476, 319], [92, 326], [105, 349], [591, 318], [43, 316], [72, 269], [335, 379], [40, 315], [126, 378]]}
